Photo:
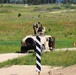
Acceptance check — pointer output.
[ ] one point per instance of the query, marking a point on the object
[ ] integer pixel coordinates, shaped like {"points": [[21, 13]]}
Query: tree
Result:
{"points": [[53, 1], [68, 1], [1, 1], [37, 1]]}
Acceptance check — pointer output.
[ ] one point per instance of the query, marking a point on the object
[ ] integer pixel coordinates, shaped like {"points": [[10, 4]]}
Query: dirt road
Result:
{"points": [[31, 70], [64, 49], [62, 11], [7, 56]]}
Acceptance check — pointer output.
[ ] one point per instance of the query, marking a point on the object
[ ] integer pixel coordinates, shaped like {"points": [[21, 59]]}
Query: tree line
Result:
{"points": [[37, 1]]}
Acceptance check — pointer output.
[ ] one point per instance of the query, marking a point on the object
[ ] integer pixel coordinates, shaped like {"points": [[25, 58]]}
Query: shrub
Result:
{"points": [[56, 7], [1, 6]]}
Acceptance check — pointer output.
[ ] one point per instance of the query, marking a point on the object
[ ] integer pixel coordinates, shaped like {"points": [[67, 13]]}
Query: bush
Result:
{"points": [[1, 6], [56, 7]]}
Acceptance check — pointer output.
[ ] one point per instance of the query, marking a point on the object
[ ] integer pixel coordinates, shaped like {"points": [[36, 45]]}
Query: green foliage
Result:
{"points": [[60, 58], [68, 6]]}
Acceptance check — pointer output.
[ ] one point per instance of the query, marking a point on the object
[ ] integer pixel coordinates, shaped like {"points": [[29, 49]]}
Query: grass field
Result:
{"points": [[54, 58], [13, 28]]}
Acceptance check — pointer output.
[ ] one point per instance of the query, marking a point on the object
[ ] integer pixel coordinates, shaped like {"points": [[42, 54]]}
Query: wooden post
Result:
{"points": [[38, 73]]}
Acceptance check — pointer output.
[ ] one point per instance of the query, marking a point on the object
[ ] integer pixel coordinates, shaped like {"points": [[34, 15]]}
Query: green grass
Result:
{"points": [[59, 58], [10, 46], [13, 28]]}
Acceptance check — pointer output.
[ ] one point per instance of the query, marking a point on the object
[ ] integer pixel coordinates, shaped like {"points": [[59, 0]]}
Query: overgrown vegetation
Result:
{"points": [[13, 28], [60, 58]]}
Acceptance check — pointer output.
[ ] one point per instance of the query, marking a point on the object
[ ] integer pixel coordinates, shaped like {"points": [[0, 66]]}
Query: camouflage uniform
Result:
{"points": [[35, 27]]}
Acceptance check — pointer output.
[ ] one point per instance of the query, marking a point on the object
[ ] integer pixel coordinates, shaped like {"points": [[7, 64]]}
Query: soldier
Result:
{"points": [[35, 27], [41, 30]]}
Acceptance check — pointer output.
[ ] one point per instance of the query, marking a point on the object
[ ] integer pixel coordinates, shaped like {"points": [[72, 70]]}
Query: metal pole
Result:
{"points": [[38, 54]]}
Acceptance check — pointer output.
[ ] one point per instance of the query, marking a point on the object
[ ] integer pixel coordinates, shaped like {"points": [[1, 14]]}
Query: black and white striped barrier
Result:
{"points": [[38, 54]]}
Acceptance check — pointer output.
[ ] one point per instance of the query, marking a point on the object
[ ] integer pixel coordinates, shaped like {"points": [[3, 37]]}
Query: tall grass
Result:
{"points": [[62, 25]]}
